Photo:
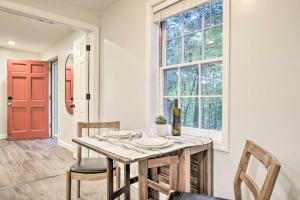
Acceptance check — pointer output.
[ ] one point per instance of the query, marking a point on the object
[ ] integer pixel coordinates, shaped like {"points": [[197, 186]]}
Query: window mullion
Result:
{"points": [[182, 39], [202, 30], [200, 94], [179, 87], [182, 58], [200, 67]]}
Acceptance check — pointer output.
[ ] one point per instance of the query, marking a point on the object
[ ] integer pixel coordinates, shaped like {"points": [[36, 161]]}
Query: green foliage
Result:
{"points": [[171, 82], [160, 120], [189, 77], [213, 42], [193, 47], [211, 78], [211, 113], [190, 116], [187, 30]]}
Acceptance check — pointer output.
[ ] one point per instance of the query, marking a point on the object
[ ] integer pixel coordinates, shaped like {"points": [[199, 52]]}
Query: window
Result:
{"points": [[191, 66], [188, 56]]}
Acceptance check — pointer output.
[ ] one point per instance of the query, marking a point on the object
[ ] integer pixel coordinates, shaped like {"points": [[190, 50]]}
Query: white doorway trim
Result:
{"points": [[53, 123], [94, 35]]}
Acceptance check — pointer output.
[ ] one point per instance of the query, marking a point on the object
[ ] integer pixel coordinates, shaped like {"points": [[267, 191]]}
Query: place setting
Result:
{"points": [[140, 141]]}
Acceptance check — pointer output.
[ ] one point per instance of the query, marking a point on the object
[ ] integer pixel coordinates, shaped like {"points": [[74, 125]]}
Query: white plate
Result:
{"points": [[121, 134], [151, 141], [169, 143]]}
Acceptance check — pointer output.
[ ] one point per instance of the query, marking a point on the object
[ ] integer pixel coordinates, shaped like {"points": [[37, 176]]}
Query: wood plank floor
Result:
{"points": [[35, 170]]}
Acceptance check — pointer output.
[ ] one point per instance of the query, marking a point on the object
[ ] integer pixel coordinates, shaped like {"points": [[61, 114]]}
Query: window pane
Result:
{"points": [[211, 79], [190, 112], [213, 13], [213, 42], [192, 47], [211, 108], [173, 26], [192, 20], [171, 82], [189, 80], [168, 105], [216, 12], [174, 51], [207, 12]]}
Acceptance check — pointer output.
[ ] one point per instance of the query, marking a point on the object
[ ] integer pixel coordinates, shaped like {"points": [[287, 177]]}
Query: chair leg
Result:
{"points": [[78, 189], [118, 179], [68, 185]]}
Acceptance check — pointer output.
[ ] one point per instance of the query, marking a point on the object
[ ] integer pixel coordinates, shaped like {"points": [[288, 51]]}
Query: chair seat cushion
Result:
{"points": [[90, 166], [191, 196]]}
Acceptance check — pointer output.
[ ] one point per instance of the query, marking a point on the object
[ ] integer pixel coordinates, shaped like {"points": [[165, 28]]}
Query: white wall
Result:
{"points": [[122, 68], [264, 90], [61, 49], [4, 55], [264, 83]]}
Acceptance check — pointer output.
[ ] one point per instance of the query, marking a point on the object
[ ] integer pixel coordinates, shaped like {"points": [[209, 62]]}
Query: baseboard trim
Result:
{"points": [[3, 136], [65, 145]]}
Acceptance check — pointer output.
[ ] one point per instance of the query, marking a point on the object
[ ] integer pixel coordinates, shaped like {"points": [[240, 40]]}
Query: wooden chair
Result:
{"points": [[267, 159], [148, 176], [90, 169]]}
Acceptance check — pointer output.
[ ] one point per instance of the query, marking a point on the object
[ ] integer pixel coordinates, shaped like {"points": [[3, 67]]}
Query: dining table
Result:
{"points": [[195, 162]]}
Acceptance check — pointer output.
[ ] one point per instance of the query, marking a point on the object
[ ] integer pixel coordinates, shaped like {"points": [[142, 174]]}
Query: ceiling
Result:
{"points": [[92, 5], [29, 34]]}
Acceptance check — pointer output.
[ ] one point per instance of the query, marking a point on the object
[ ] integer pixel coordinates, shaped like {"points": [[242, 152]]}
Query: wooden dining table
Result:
{"points": [[195, 162]]}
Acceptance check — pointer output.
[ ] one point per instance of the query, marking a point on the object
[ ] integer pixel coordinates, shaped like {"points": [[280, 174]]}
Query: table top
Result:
{"points": [[124, 151]]}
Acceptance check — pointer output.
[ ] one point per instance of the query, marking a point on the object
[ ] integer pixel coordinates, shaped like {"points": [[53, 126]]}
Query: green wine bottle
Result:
{"points": [[176, 126]]}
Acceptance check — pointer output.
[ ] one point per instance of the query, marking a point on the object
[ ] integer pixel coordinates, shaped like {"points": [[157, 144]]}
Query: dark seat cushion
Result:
{"points": [[190, 196], [90, 166]]}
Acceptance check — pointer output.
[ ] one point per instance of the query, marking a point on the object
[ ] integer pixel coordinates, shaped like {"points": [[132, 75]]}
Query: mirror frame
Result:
{"points": [[69, 104]]}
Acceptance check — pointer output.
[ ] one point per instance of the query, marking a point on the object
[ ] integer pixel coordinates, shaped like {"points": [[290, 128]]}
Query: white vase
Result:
{"points": [[161, 130]]}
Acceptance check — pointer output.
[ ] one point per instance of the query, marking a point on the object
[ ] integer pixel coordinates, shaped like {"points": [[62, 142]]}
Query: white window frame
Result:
{"points": [[155, 76]]}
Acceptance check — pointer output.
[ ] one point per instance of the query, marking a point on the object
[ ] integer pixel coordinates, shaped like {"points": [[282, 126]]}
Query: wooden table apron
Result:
{"points": [[184, 169]]}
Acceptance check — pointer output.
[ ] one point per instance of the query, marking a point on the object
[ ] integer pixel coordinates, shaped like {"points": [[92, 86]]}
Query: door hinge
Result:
{"points": [[88, 47], [88, 96]]}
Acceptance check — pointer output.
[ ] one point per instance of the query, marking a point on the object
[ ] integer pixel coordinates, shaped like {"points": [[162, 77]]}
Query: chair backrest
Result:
{"points": [[152, 182], [91, 125], [271, 164]]}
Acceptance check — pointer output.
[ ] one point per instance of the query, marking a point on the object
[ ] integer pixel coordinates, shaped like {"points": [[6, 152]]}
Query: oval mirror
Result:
{"points": [[69, 84]]}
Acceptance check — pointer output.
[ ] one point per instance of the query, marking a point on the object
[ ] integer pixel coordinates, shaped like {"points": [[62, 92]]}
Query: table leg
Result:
{"points": [[200, 172], [208, 173], [110, 180], [184, 170], [143, 176], [127, 181]]}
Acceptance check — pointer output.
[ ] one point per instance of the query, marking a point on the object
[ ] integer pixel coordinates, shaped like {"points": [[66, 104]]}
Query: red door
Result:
{"points": [[69, 88], [27, 91]]}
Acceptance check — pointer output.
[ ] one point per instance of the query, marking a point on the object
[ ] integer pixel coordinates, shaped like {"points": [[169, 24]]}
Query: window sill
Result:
{"points": [[220, 140]]}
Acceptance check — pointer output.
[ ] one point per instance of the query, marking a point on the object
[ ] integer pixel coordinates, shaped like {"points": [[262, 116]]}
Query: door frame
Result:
{"points": [[94, 37], [53, 98]]}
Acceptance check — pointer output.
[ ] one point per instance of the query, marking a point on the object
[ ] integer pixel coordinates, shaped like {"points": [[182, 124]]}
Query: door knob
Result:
{"points": [[9, 103]]}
